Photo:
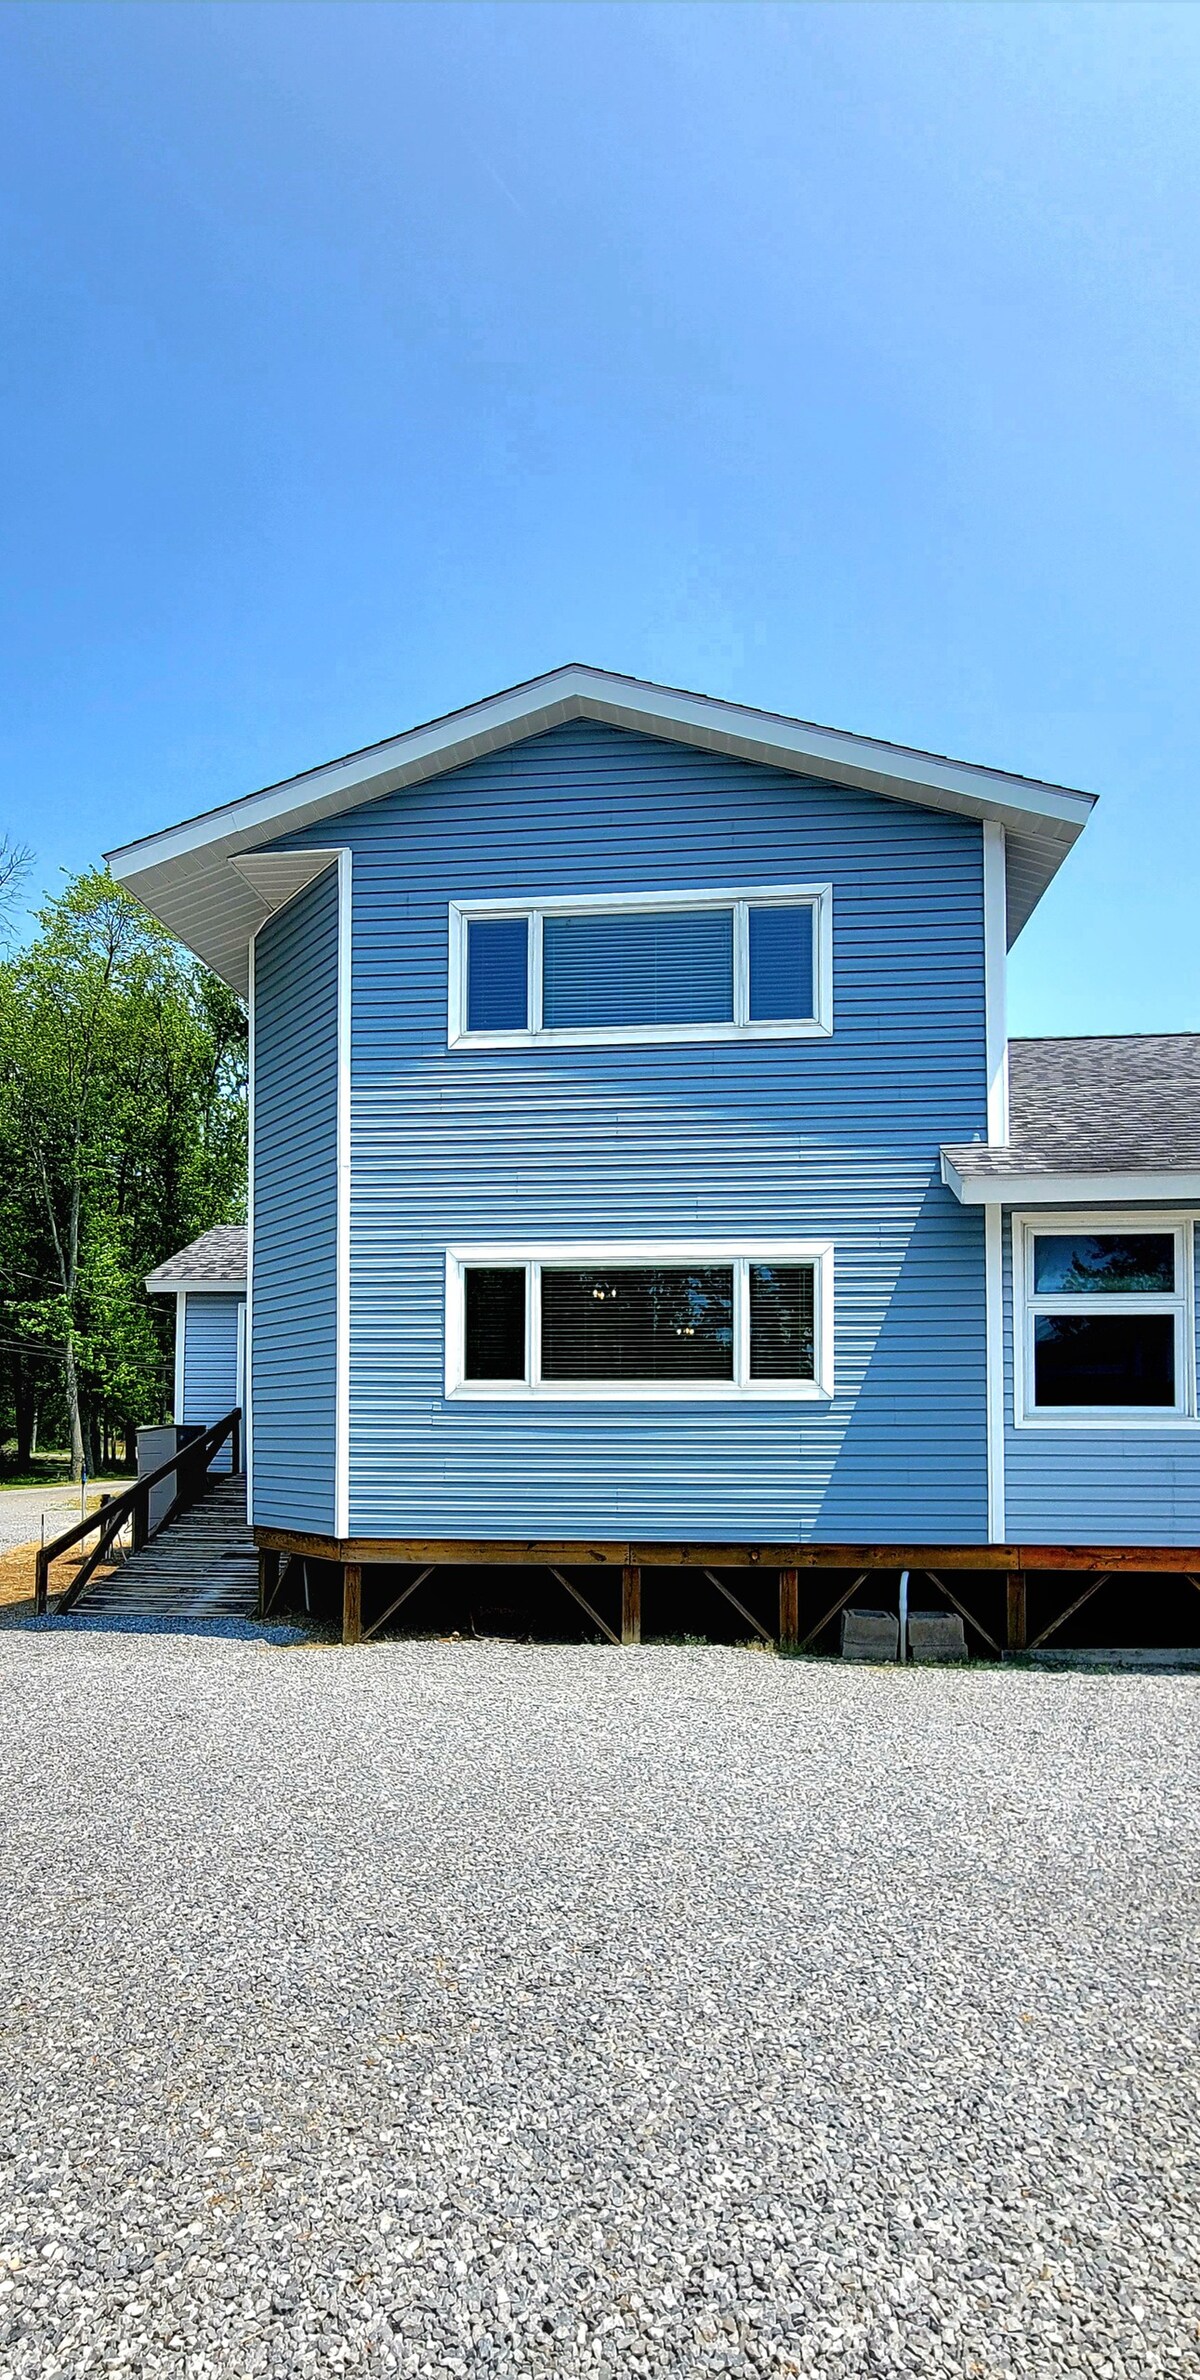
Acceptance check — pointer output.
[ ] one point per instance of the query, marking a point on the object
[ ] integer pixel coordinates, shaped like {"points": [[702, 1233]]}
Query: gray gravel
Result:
{"points": [[21, 1510], [451, 2009]]}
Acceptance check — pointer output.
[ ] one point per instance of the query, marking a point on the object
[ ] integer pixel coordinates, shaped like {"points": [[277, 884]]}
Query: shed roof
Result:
{"points": [[207, 879], [1104, 1105], [217, 1260]]}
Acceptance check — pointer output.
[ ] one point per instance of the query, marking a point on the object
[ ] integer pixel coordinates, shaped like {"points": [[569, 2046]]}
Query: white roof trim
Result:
{"points": [[1069, 1189], [173, 871], [194, 1288]]}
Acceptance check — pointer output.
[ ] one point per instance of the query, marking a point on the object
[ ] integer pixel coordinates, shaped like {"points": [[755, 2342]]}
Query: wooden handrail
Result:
{"points": [[189, 1462]]}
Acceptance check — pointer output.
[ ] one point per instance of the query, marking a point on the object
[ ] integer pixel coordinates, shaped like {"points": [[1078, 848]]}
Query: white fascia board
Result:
{"points": [[577, 692], [194, 1288], [1070, 1189]]}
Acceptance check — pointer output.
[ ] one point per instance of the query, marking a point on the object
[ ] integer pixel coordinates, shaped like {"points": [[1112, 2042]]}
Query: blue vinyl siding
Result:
{"points": [[294, 1282], [830, 1138], [210, 1365], [1095, 1486]]}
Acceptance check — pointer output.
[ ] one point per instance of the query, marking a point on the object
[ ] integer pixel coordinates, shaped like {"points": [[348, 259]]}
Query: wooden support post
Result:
{"points": [[268, 1580], [1018, 1617], [789, 1610], [631, 1604], [351, 1603]]}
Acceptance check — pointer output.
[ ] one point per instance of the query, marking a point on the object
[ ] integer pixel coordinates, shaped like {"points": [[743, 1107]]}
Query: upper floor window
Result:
{"points": [[642, 967], [1107, 1327]]}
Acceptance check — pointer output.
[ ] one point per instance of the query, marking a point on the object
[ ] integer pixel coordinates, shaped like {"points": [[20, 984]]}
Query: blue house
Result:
{"points": [[641, 1174]]}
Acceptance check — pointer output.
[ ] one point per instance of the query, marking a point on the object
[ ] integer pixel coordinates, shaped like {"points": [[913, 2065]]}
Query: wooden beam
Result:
{"points": [[352, 1603], [747, 1616], [1071, 1610], [962, 1611], [1016, 1611], [631, 1604], [584, 1605], [832, 1612], [268, 1579], [789, 1608], [394, 1607], [595, 1554]]}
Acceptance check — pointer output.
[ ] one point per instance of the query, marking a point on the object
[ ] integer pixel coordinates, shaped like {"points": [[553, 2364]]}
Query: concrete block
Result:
{"points": [[870, 1636], [936, 1636]]}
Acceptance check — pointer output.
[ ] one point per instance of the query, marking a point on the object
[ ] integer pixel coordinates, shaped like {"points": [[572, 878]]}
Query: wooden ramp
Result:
{"points": [[203, 1566]]}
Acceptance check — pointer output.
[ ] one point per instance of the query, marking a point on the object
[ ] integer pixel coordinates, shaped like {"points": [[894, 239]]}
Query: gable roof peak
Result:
{"points": [[184, 875]]}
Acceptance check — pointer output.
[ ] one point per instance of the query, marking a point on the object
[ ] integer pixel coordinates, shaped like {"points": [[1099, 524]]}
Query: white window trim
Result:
{"points": [[739, 1253], [1027, 1305], [181, 1299], [742, 1028]]}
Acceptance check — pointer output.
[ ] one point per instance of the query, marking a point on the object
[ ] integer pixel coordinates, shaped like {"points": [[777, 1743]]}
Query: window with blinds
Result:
{"points": [[653, 1322], [695, 966], [545, 1325], [638, 968]]}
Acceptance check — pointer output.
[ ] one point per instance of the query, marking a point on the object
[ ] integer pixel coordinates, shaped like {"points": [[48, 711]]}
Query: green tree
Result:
{"points": [[123, 1129]]}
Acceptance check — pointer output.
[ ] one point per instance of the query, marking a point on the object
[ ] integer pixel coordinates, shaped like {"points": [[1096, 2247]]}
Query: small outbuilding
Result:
{"points": [[208, 1283]]}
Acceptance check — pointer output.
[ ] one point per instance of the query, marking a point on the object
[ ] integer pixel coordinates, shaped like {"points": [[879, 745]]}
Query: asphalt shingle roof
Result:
{"points": [[1100, 1103], [217, 1256]]}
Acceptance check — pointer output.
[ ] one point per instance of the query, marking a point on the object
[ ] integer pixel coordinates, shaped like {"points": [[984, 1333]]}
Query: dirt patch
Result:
{"points": [[16, 1581], [18, 1578]]}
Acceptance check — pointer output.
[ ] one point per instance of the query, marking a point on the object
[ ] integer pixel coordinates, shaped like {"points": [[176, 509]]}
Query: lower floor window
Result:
{"points": [[727, 1323], [1107, 1318], [1104, 1359]]}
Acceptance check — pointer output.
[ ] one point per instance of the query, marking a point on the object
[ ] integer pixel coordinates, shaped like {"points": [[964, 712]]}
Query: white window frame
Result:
{"points": [[741, 1254], [1028, 1305], [742, 1027]]}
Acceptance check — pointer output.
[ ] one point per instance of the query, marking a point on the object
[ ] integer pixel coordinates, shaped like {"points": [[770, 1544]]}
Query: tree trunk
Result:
{"points": [[74, 1416]]}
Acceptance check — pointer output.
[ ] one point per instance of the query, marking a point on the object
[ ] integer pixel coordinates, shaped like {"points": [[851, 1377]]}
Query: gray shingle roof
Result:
{"points": [[218, 1256], [1101, 1103]]}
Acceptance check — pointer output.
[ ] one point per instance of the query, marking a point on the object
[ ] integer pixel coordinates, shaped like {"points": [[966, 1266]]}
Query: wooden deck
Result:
{"points": [[622, 1563]]}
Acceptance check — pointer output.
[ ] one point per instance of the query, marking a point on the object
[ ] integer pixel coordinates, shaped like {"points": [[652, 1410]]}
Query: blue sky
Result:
{"points": [[357, 361]]}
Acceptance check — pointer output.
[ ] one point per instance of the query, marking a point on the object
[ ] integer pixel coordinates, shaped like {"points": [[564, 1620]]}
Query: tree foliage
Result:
{"points": [[122, 1136]]}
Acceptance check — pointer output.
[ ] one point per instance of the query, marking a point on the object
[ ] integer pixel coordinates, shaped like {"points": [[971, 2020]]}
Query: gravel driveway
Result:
{"points": [[470, 2009], [21, 1510]]}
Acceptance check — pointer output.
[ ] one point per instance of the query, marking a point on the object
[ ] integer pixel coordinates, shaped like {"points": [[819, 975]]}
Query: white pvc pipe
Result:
{"points": [[902, 1654]]}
